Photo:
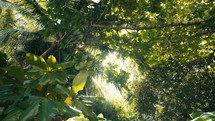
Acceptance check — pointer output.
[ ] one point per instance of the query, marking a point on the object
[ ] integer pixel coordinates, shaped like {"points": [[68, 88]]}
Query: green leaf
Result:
{"points": [[51, 61], [7, 92], [89, 64], [62, 90], [80, 65], [33, 73], [30, 112], [27, 101], [195, 114], [53, 78], [79, 81], [47, 110], [36, 61], [64, 109], [44, 80], [13, 116], [87, 109], [58, 76], [65, 65], [207, 116], [16, 72]]}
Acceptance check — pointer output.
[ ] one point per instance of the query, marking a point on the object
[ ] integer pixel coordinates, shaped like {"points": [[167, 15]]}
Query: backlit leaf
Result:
{"points": [[52, 62], [196, 114], [36, 61], [68, 101], [79, 81]]}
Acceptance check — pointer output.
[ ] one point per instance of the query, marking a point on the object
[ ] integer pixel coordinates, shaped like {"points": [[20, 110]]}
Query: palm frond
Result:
{"points": [[6, 5], [16, 36], [28, 8]]}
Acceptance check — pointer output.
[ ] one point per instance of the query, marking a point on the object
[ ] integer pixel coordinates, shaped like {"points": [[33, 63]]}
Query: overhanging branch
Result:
{"points": [[183, 24]]}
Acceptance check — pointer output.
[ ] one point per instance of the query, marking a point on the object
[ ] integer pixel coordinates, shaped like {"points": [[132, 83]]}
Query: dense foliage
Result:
{"points": [[174, 86], [171, 42]]}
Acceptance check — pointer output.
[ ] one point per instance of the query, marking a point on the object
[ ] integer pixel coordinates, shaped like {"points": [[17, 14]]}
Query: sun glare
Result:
{"points": [[96, 1], [125, 64], [109, 90]]}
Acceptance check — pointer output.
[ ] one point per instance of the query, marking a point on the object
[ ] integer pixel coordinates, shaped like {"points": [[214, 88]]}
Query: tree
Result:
{"points": [[175, 89]]}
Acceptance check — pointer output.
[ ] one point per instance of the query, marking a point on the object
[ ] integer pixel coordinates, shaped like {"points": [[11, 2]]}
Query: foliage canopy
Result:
{"points": [[172, 42]]}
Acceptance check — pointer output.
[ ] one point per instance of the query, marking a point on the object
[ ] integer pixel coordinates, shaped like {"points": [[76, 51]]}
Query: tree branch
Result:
{"points": [[183, 24], [49, 50], [59, 37]]}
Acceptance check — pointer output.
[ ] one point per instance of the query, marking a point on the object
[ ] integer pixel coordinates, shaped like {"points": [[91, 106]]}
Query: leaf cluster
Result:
{"points": [[41, 92]]}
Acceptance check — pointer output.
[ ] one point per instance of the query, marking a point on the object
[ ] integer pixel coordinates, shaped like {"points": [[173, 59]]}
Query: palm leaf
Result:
{"points": [[15, 36], [28, 8], [9, 5]]}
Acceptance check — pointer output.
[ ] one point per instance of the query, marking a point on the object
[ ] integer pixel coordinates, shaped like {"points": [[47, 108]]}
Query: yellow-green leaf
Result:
{"points": [[52, 62], [37, 61], [79, 81]]}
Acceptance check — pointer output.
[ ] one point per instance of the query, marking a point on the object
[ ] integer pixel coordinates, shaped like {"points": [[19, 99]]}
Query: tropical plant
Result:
{"points": [[43, 92]]}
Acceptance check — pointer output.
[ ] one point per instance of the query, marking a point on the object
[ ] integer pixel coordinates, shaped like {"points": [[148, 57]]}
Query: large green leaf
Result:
{"points": [[27, 101], [36, 61], [16, 72], [53, 78], [79, 81], [44, 80], [200, 116], [86, 107], [47, 110], [33, 73], [30, 112], [66, 110], [59, 77], [7, 92], [62, 90], [195, 114], [13, 116], [65, 65]]}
